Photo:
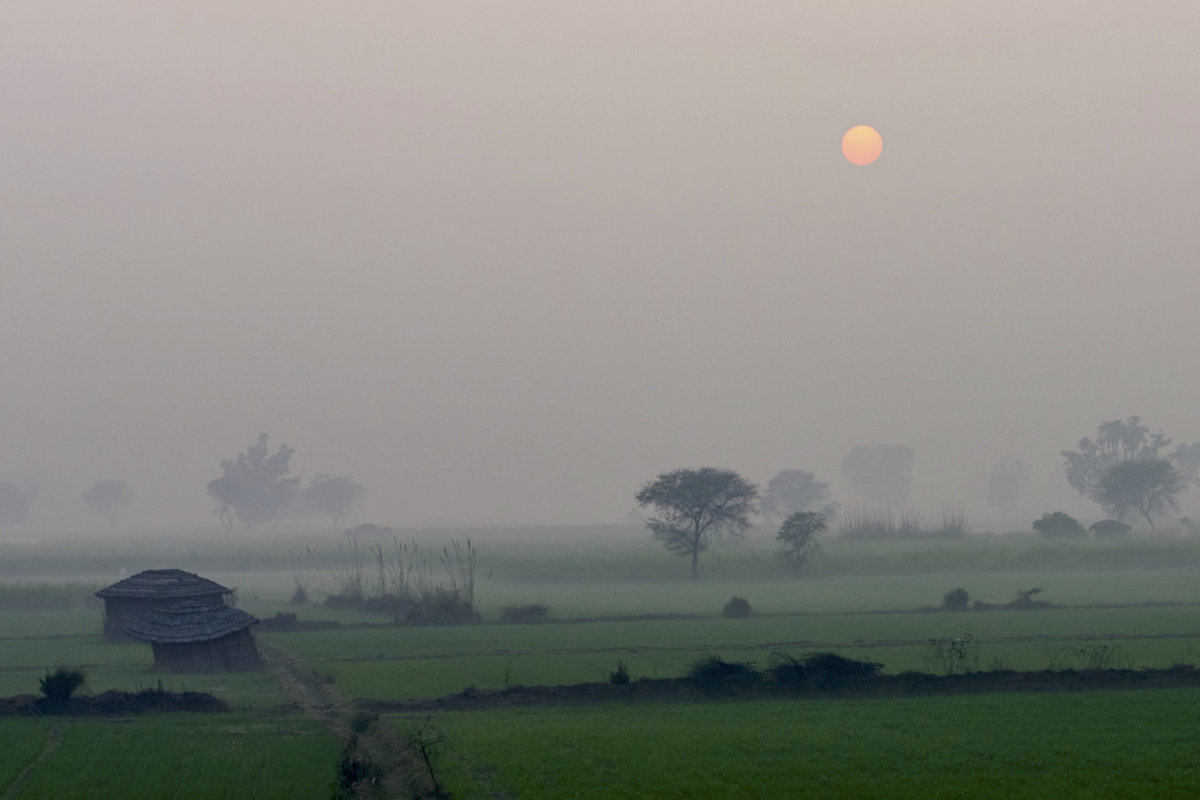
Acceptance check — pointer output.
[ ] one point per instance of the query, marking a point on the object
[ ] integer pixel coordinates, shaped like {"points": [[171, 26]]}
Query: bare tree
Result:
{"points": [[694, 507]]}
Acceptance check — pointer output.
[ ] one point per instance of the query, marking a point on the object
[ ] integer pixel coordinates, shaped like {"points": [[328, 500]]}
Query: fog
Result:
{"points": [[505, 262]]}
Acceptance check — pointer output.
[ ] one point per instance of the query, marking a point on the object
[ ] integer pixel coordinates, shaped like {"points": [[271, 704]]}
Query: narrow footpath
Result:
{"points": [[397, 775]]}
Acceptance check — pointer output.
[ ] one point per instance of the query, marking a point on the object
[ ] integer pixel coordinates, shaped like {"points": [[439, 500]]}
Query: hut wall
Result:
{"points": [[120, 611], [233, 653]]}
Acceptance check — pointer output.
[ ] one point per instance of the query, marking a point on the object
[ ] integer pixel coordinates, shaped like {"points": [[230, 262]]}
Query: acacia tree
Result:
{"points": [[255, 486], [880, 472], [1117, 441], [692, 508], [1152, 487], [332, 496], [793, 490], [106, 496]]}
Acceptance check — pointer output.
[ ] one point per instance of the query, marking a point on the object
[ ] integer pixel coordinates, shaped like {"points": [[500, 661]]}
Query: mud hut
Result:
{"points": [[1109, 527], [195, 636], [128, 599]]}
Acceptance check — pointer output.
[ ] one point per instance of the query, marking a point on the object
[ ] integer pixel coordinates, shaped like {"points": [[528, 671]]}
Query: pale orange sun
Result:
{"points": [[861, 145]]}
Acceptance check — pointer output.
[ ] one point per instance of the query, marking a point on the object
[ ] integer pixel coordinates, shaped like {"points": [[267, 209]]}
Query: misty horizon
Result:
{"points": [[503, 265]]}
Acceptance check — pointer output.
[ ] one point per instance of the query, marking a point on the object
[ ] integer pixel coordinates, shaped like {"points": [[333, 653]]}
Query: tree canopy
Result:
{"points": [[1116, 442], [793, 490], [692, 508], [332, 496], [255, 486], [798, 535], [1150, 487]]}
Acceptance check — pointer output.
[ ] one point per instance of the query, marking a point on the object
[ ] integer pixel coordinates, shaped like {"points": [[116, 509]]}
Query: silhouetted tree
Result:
{"points": [[694, 507], [106, 497], [333, 497], [1116, 442], [793, 490], [798, 535], [14, 504], [880, 472], [1004, 484], [1151, 487], [255, 486]]}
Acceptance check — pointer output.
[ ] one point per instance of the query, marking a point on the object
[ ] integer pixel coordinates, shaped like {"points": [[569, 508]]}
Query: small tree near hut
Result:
{"points": [[692, 508]]}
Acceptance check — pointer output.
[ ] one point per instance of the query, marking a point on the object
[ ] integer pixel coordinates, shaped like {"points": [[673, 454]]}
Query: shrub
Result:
{"points": [[1059, 526], [819, 670], [525, 615], [715, 670], [58, 686], [956, 600], [737, 608], [620, 675]]}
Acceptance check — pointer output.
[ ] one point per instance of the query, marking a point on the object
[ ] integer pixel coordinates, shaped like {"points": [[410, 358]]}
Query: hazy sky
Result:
{"points": [[502, 262]]}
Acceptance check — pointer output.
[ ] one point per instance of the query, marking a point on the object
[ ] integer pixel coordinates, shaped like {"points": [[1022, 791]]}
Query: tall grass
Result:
{"points": [[860, 522]]}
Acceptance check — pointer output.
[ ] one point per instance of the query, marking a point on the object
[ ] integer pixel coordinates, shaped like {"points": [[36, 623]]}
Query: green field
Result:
{"points": [[1095, 745], [1125, 604], [183, 756]]}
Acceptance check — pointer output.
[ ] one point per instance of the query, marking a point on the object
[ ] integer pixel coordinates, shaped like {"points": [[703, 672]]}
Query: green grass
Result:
{"points": [[180, 756], [21, 740], [1087, 745], [400, 663]]}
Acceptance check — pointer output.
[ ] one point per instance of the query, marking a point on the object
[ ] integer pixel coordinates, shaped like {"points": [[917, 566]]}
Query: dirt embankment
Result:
{"points": [[909, 684], [110, 703]]}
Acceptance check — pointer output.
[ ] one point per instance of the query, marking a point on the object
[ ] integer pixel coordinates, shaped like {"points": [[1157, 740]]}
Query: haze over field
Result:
{"points": [[504, 262]]}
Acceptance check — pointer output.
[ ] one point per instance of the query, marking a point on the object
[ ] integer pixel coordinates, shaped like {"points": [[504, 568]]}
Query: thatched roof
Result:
{"points": [[163, 584], [189, 621]]}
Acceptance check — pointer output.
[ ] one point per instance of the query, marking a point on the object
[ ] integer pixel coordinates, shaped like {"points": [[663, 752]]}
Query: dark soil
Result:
{"points": [[110, 703], [908, 684]]}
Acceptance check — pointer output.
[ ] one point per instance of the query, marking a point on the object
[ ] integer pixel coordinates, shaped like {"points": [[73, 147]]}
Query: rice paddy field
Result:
{"points": [[611, 599]]}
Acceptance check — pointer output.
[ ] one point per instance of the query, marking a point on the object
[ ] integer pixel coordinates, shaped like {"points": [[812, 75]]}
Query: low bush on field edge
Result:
{"points": [[531, 614], [737, 608]]}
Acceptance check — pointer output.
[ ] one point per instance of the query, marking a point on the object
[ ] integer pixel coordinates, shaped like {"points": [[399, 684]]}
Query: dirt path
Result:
{"points": [[14, 789], [397, 775]]}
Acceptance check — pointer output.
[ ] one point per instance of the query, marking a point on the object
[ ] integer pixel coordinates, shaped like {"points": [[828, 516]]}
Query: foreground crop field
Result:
{"points": [[615, 601], [1087, 745], [184, 756]]}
